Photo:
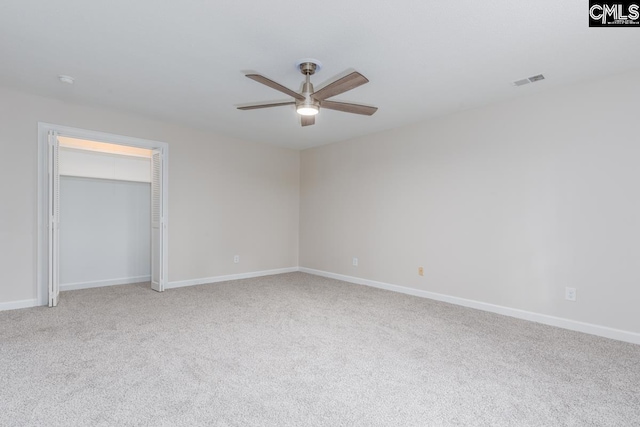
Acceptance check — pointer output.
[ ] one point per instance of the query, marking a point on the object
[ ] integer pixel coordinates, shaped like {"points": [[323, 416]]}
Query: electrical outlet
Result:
{"points": [[355, 262], [236, 259], [570, 294], [420, 271]]}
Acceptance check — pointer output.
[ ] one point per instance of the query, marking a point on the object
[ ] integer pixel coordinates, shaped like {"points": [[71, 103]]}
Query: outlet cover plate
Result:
{"points": [[570, 294]]}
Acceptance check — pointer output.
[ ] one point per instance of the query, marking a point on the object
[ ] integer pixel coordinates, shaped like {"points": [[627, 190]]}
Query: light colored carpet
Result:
{"points": [[301, 350]]}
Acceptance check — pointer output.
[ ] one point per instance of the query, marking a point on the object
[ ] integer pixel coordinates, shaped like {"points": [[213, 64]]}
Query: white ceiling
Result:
{"points": [[184, 61]]}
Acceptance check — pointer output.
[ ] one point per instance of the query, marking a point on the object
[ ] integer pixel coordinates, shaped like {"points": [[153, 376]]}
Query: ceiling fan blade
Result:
{"points": [[274, 85], [308, 120], [274, 104], [349, 108], [348, 82]]}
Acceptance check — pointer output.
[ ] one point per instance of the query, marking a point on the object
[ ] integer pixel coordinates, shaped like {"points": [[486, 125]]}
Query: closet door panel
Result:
{"points": [[157, 223], [54, 220]]}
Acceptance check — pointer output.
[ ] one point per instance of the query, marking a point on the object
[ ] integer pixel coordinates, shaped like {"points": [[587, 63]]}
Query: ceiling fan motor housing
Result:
{"points": [[309, 106]]}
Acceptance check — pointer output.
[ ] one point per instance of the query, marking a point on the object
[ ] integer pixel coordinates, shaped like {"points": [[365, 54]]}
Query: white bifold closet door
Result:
{"points": [[54, 220], [158, 227]]}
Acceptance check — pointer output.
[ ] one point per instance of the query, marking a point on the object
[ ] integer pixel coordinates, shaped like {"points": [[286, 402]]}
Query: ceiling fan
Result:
{"points": [[308, 102]]}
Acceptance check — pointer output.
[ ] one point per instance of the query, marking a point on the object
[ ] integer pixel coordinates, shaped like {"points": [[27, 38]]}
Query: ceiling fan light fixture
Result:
{"points": [[307, 110]]}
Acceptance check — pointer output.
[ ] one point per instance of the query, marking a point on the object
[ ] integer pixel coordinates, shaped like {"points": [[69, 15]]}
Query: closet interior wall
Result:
{"points": [[105, 204]]}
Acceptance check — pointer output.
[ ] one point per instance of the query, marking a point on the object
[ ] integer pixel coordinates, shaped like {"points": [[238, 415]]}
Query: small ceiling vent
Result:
{"points": [[528, 80]]}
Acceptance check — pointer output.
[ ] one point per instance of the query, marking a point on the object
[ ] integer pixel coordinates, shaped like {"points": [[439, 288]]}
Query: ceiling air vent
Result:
{"points": [[528, 80]]}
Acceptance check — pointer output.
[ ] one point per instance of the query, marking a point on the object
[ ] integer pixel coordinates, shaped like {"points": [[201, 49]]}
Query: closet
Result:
{"points": [[111, 218]]}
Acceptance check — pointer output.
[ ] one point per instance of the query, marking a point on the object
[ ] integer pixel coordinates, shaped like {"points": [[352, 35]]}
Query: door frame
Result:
{"points": [[42, 281]]}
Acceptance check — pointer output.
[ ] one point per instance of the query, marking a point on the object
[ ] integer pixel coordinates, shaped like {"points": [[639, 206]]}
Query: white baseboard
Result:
{"points": [[574, 325], [101, 283], [178, 284], [13, 305], [203, 281]]}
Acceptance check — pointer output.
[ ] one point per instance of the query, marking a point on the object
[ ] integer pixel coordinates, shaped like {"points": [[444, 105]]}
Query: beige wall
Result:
{"points": [[506, 204], [226, 196]]}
